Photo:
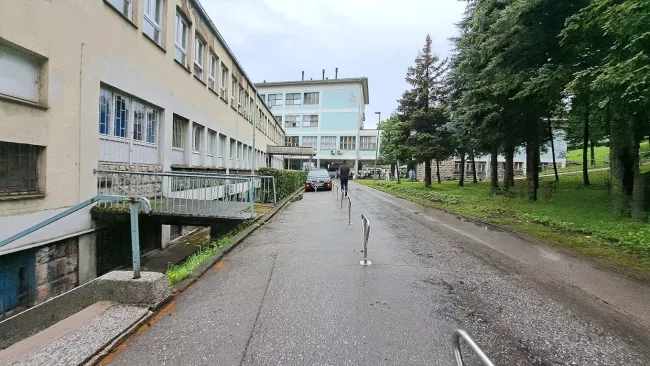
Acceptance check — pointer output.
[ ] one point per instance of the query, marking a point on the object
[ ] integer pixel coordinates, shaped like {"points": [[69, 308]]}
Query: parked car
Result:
{"points": [[318, 180]]}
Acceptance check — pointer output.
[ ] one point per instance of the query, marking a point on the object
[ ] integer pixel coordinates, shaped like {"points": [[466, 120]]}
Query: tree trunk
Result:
{"points": [[592, 146], [438, 171], [550, 131], [427, 173], [398, 173], [461, 181], [532, 168], [473, 157], [509, 173], [585, 143], [494, 170], [626, 178]]}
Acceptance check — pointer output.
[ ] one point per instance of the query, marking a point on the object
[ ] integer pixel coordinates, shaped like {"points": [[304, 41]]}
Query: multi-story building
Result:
{"points": [[327, 115], [135, 85]]}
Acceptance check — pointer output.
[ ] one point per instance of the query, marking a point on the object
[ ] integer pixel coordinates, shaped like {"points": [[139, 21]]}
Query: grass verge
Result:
{"points": [[179, 272], [569, 215]]}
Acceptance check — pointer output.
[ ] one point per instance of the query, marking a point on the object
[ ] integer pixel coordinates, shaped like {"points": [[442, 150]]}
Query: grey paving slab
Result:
{"points": [[295, 294], [77, 345]]}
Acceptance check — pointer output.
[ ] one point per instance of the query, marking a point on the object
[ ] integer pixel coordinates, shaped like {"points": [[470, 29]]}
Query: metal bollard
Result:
{"points": [[365, 224], [349, 211], [342, 198], [455, 340]]}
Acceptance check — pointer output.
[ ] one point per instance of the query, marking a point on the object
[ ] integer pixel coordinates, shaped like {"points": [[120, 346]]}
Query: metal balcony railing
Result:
{"points": [[264, 185], [184, 194]]}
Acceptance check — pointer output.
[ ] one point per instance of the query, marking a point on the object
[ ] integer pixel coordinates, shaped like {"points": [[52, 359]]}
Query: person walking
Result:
{"points": [[344, 174], [411, 175], [387, 175]]}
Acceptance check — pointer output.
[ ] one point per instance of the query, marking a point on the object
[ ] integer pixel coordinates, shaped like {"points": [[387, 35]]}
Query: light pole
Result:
{"points": [[376, 146]]}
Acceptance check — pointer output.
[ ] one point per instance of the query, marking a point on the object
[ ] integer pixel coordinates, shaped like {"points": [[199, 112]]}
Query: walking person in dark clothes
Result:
{"points": [[344, 174]]}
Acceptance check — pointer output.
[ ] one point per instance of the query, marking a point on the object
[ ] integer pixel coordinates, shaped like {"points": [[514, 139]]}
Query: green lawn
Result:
{"points": [[570, 216], [601, 153]]}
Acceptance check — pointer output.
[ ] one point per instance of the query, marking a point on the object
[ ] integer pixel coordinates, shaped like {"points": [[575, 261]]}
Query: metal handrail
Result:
{"points": [[349, 211], [365, 224], [206, 195], [167, 174], [135, 231], [455, 340]]}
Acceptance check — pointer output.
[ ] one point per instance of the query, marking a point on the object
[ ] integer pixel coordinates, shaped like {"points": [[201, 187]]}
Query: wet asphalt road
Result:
{"points": [[295, 294]]}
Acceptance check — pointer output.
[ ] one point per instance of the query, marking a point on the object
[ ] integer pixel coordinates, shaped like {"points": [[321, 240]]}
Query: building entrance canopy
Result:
{"points": [[290, 150]]}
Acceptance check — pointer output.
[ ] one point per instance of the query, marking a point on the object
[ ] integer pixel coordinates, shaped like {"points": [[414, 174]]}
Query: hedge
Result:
{"points": [[286, 181]]}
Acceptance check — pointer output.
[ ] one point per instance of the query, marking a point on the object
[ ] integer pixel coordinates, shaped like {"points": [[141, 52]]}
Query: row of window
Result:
{"points": [[217, 75], [125, 117], [293, 120], [366, 143], [291, 98]]}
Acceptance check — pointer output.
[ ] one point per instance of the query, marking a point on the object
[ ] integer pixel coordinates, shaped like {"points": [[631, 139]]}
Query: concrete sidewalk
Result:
{"points": [[294, 294]]}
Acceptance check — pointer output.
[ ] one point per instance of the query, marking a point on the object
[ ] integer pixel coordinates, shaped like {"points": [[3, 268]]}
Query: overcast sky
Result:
{"points": [[275, 40]]}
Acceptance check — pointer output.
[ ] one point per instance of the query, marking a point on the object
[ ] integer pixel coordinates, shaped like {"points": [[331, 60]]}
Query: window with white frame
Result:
{"points": [[251, 108], [19, 73], [240, 98], [312, 98], [263, 97], [125, 7], [233, 148], [197, 137], [291, 121], [328, 142], [275, 99], [245, 153], [222, 145], [310, 120], [246, 103], [291, 141], [178, 132], [293, 99], [348, 142], [212, 142], [181, 39], [224, 82], [239, 150], [145, 122], [199, 55], [233, 91], [152, 25], [250, 154], [368, 143], [212, 71], [278, 118], [120, 116], [309, 141]]}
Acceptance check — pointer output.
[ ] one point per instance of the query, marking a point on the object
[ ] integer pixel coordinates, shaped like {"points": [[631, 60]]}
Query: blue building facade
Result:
{"points": [[327, 115]]}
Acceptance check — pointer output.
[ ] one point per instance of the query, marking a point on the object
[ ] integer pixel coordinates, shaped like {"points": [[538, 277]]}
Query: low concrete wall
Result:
{"points": [[151, 290]]}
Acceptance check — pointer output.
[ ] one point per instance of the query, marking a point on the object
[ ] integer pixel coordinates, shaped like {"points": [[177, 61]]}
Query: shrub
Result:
{"points": [[286, 181]]}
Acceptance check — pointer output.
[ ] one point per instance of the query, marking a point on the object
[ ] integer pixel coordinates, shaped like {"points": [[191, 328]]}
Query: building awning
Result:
{"points": [[290, 150]]}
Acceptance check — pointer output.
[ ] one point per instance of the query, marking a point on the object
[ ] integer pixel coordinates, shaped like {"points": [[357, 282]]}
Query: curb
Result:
{"points": [[238, 239]]}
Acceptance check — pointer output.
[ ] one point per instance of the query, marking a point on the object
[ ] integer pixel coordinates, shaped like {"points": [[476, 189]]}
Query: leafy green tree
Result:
{"points": [[422, 107], [622, 77]]}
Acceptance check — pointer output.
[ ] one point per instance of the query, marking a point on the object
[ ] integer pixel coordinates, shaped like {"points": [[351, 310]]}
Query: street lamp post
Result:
{"points": [[376, 146]]}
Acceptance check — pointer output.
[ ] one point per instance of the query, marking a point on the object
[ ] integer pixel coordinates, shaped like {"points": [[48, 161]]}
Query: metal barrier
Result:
{"points": [[181, 194], [265, 191], [455, 340], [349, 211], [365, 224], [135, 230], [342, 198]]}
